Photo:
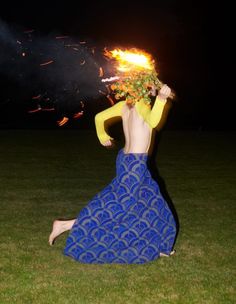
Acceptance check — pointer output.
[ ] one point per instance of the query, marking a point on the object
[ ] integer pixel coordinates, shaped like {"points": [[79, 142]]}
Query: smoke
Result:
{"points": [[55, 69]]}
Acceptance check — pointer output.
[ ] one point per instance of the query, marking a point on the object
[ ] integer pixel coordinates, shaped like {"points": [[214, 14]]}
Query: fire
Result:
{"points": [[129, 60], [135, 75]]}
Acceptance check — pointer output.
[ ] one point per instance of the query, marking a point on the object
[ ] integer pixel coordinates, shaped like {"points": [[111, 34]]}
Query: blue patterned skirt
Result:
{"points": [[127, 222]]}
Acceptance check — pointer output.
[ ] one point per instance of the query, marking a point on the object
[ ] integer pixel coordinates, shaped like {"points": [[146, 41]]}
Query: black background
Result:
{"points": [[190, 39]]}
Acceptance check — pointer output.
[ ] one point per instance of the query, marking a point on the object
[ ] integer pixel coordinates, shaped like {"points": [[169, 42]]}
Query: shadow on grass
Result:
{"points": [[160, 181]]}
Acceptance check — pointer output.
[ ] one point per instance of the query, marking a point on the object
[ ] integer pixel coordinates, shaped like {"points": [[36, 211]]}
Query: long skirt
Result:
{"points": [[128, 222]]}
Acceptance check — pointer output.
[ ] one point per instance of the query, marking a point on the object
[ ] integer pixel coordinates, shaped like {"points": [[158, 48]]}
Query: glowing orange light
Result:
{"points": [[131, 59], [63, 121], [135, 75], [100, 72], [36, 110], [78, 115]]}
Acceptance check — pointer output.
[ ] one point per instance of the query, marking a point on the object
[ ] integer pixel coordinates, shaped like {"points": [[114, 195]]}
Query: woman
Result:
{"points": [[129, 221]]}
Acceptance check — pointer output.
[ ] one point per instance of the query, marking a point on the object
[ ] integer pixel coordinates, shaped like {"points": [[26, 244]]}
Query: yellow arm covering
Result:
{"points": [[154, 115], [151, 116], [101, 117]]}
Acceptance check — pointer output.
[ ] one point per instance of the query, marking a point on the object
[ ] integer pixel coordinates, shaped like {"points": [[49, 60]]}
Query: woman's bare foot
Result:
{"points": [[58, 228], [167, 255], [56, 231]]}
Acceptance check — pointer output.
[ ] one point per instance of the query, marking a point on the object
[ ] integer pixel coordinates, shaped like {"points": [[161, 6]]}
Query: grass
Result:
{"points": [[46, 174]]}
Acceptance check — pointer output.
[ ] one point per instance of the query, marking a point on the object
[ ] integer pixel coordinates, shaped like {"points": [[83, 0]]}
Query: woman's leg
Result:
{"points": [[58, 227], [166, 255]]}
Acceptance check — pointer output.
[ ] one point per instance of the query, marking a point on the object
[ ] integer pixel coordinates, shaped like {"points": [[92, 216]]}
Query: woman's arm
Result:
{"points": [[155, 115], [100, 119]]}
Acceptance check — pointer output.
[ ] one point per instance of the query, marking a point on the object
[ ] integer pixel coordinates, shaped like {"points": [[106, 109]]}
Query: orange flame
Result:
{"points": [[131, 59]]}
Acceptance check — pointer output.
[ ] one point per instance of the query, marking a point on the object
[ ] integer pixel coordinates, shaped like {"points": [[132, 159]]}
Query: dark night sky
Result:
{"points": [[186, 37]]}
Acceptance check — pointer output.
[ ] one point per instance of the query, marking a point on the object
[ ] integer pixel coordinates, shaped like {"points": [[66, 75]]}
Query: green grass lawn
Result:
{"points": [[48, 174]]}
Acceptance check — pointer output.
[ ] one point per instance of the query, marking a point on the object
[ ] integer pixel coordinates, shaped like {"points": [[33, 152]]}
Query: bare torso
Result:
{"points": [[136, 131]]}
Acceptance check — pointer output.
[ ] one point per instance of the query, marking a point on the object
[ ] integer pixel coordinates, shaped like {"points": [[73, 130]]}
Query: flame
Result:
{"points": [[133, 59], [135, 76]]}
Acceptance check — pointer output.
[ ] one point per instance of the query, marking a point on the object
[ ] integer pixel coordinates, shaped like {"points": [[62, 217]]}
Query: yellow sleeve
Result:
{"points": [[154, 116], [100, 118]]}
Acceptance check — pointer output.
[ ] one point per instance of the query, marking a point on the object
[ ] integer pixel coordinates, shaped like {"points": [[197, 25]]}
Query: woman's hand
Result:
{"points": [[108, 143], [164, 92]]}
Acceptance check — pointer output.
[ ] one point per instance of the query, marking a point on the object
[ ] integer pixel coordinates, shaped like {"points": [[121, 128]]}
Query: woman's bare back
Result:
{"points": [[136, 131]]}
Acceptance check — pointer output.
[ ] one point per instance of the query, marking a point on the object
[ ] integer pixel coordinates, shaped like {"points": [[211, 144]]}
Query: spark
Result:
{"points": [[48, 109], [110, 99], [46, 63], [72, 45], [78, 115], [36, 97], [63, 121], [110, 78], [36, 110], [61, 37], [103, 93], [101, 72]]}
